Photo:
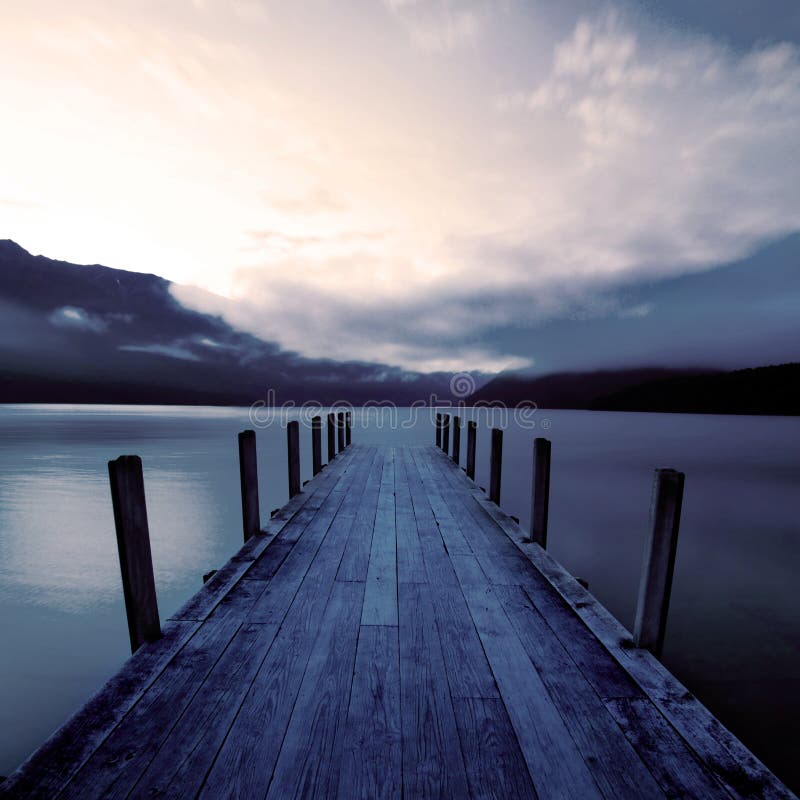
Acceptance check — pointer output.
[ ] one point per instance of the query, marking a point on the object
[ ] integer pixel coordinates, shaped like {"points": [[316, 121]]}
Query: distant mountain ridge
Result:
{"points": [[762, 390], [95, 334]]}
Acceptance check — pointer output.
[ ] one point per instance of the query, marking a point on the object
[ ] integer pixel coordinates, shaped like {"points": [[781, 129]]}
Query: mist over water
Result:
{"points": [[733, 635]]}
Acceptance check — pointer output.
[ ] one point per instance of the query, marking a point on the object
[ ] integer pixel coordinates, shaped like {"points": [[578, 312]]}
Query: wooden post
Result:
{"points": [[293, 451], [340, 430], [248, 478], [446, 433], [456, 439], [472, 435], [331, 437], [348, 430], [316, 444], [439, 430], [133, 543], [496, 465], [659, 561], [540, 490]]}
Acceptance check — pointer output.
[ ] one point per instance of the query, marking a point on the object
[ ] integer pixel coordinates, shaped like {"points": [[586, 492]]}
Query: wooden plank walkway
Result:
{"points": [[391, 635]]}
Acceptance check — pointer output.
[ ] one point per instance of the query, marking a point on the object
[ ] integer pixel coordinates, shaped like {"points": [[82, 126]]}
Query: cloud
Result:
{"points": [[440, 26], [168, 350], [78, 319]]}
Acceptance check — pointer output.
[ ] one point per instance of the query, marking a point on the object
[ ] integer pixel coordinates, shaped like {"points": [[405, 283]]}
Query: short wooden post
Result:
{"points": [[496, 465], [331, 437], [446, 433], [248, 478], [472, 435], [540, 491], [348, 430], [293, 451], [316, 444], [659, 561], [456, 439], [340, 430], [439, 430], [133, 543]]}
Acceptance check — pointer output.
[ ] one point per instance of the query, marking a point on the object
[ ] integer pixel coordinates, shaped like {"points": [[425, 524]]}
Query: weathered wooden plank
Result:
{"points": [[433, 765], [615, 766], [451, 533], [494, 762], [380, 597], [310, 757], [437, 564], [410, 561], [671, 761], [180, 765], [119, 761], [372, 750], [556, 766], [355, 561]]}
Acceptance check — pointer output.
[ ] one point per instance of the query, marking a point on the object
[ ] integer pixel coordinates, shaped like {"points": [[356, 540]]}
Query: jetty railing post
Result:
{"points": [[540, 488], [248, 477], [331, 437], [496, 465], [348, 430], [456, 439], [472, 435], [446, 433], [439, 430], [133, 543], [293, 452], [316, 444], [659, 561], [340, 430]]}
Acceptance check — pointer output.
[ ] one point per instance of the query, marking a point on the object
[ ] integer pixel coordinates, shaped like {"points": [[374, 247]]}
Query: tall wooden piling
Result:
{"points": [[456, 439], [540, 491], [133, 543], [340, 430], [659, 561], [348, 429], [331, 437], [446, 433], [439, 430], [248, 478], [316, 444], [472, 435], [293, 452], [496, 465]]}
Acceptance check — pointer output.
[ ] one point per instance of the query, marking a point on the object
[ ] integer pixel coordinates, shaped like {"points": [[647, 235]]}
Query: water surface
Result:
{"points": [[734, 627]]}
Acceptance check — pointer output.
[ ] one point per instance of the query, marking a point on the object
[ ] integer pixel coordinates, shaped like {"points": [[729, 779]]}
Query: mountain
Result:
{"points": [[94, 334], [763, 390]]}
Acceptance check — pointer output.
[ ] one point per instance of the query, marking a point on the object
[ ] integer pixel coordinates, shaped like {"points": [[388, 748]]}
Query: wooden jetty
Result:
{"points": [[391, 632]]}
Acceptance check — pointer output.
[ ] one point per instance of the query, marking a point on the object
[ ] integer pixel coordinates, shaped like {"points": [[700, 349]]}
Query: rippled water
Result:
{"points": [[734, 627]]}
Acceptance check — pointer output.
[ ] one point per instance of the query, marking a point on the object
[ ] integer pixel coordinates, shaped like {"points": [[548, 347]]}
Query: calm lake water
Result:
{"points": [[734, 626]]}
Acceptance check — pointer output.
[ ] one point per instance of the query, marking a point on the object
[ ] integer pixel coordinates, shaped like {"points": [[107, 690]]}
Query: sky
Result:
{"points": [[406, 181]]}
